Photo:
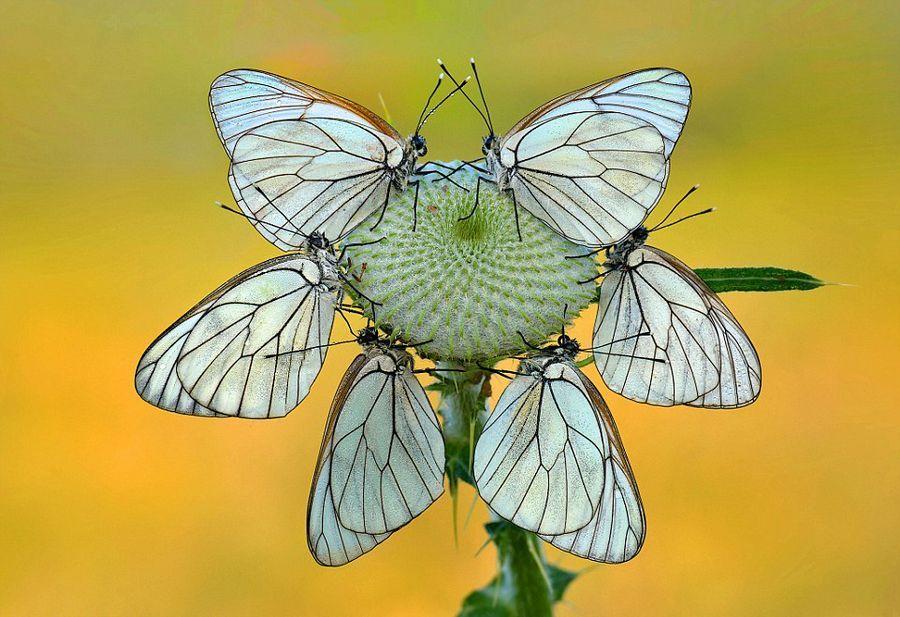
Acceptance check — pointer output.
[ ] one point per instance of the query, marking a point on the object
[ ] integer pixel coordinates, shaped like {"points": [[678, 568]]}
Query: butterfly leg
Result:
{"points": [[359, 293], [415, 207], [387, 195], [442, 176], [516, 214], [477, 195], [344, 248]]}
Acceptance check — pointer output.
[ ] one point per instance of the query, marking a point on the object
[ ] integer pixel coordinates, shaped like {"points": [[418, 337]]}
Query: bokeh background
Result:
{"points": [[110, 169]]}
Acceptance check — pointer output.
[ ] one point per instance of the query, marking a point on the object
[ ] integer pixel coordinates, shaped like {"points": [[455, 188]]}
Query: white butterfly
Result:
{"points": [[304, 160], [593, 163], [233, 354], [381, 463], [652, 307], [550, 460]]}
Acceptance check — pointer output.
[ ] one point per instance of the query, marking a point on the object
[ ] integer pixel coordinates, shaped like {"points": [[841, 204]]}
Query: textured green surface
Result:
{"points": [[468, 286]]}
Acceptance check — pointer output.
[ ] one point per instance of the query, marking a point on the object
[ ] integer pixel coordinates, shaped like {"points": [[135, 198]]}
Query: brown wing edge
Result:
{"points": [[323, 95], [605, 415], [567, 97], [715, 301]]}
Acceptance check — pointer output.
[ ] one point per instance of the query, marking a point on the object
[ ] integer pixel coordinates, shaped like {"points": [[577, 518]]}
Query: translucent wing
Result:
{"points": [[593, 163], [303, 160], [590, 176], [539, 461], [617, 530], [740, 371], [155, 379], [658, 308], [387, 457], [229, 354], [660, 97], [378, 413], [330, 543]]}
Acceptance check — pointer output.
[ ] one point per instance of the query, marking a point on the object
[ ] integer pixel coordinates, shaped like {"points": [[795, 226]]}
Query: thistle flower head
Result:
{"points": [[468, 288]]}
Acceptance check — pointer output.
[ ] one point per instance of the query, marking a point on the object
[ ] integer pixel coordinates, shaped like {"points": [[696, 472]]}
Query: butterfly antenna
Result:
{"points": [[565, 310], [483, 100], [421, 120], [466, 94], [677, 203], [684, 218], [312, 347], [458, 88]]}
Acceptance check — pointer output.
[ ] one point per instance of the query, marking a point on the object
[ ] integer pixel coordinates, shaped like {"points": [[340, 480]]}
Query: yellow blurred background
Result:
{"points": [[110, 169]]}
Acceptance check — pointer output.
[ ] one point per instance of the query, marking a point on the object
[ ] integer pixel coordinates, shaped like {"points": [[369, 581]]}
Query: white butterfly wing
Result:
{"points": [[616, 532], [303, 160], [242, 100], [661, 97], [330, 542], [387, 458], [539, 459], [230, 353], [590, 176], [593, 163], [740, 379], [658, 309], [155, 378]]}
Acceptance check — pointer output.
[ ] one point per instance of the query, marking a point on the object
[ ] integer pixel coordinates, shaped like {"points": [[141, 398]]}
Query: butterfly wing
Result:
{"points": [[740, 371], [658, 309], [593, 163], [330, 543], [229, 354], [616, 532], [387, 458], [302, 160], [539, 459], [155, 378]]}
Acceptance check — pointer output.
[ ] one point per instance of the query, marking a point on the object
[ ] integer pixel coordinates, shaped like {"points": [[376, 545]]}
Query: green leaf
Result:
{"points": [[560, 580], [757, 279], [486, 602]]}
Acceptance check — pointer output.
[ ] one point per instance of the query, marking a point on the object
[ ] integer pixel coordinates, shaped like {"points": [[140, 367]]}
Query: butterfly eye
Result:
{"points": [[419, 145], [488, 145]]}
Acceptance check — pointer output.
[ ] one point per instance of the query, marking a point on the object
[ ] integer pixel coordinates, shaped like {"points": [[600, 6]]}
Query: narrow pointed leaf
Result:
{"points": [[757, 279]]}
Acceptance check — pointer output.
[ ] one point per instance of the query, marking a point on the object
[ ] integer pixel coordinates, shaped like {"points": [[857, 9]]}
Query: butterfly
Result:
{"points": [[381, 462], [668, 338], [306, 161], [551, 461], [234, 354], [593, 163]]}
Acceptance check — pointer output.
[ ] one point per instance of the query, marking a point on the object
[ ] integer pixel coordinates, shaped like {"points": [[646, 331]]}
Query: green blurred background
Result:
{"points": [[110, 169]]}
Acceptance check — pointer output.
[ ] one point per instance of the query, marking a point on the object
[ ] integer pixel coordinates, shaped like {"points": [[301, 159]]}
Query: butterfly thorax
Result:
{"points": [[415, 148], [321, 251], [375, 343], [565, 350], [617, 254], [496, 170]]}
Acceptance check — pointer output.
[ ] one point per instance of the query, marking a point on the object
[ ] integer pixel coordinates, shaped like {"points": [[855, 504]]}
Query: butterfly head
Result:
{"points": [[617, 254], [417, 145], [318, 241], [368, 336], [566, 346], [491, 145]]}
